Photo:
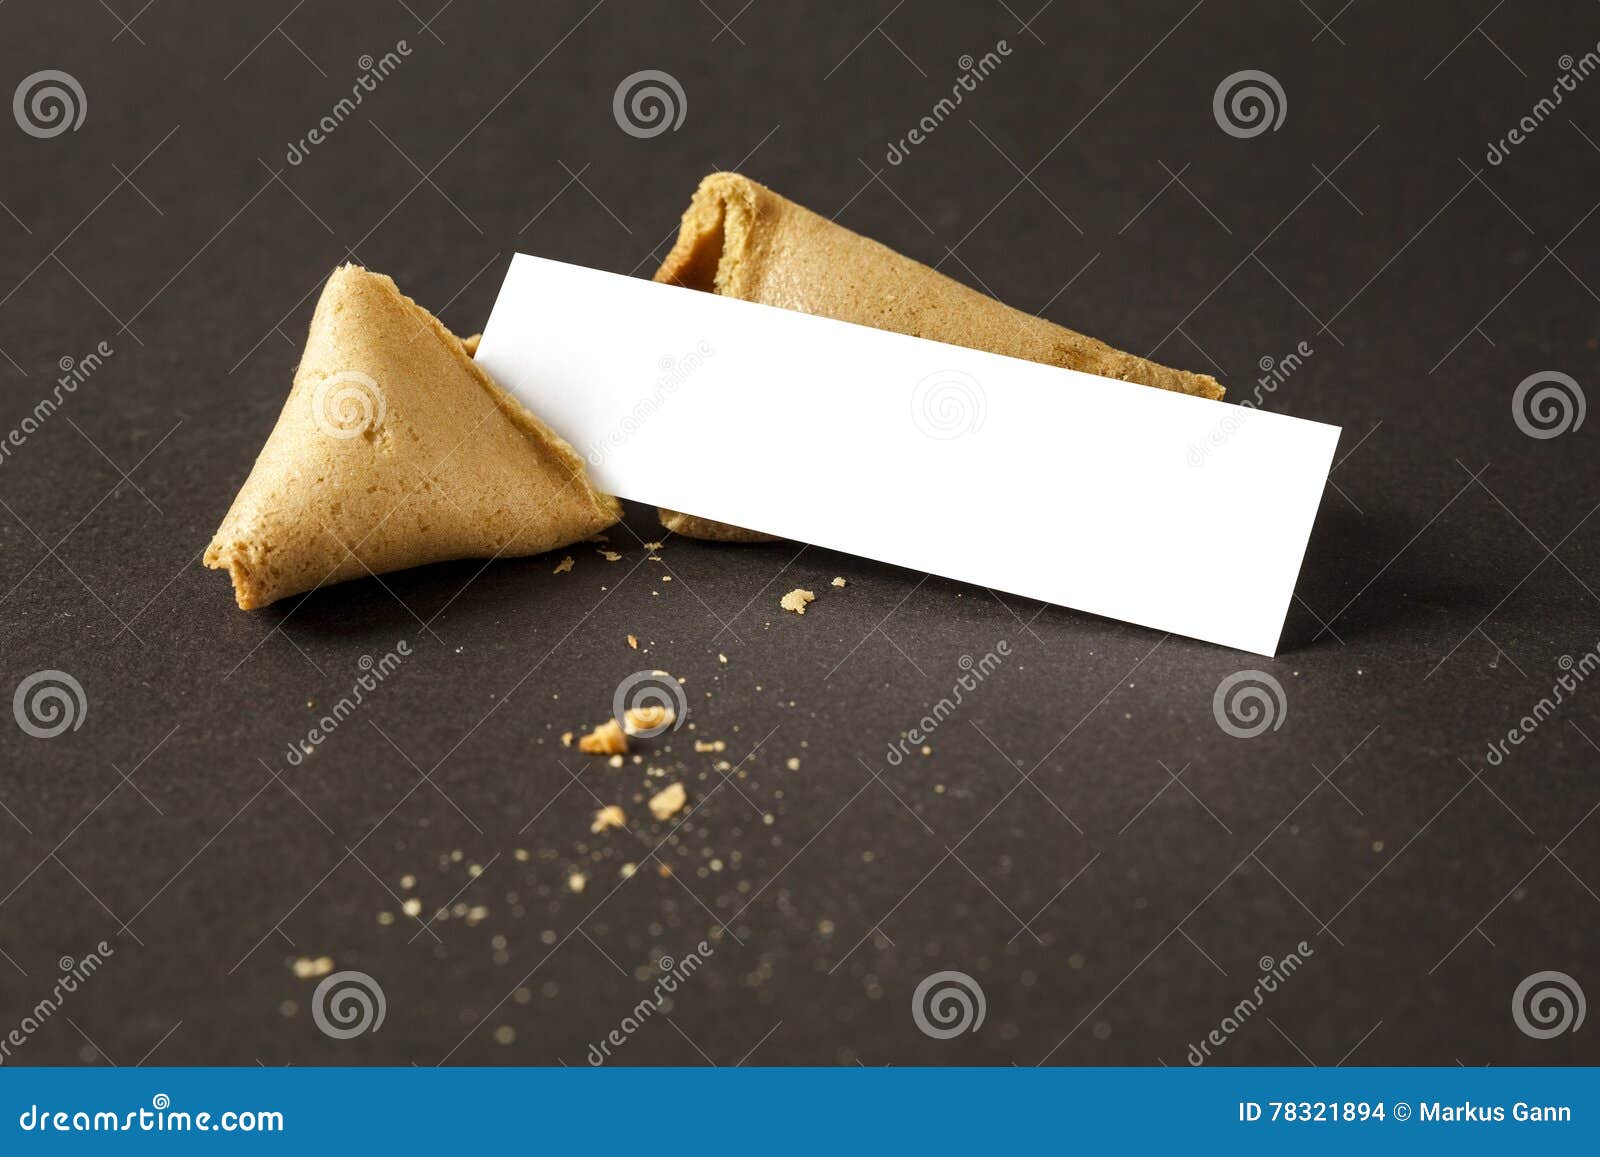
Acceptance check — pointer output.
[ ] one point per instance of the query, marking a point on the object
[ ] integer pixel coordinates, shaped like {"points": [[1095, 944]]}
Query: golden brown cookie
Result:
{"points": [[394, 450]]}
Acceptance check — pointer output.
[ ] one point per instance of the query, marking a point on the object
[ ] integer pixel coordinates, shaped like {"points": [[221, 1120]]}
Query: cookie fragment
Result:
{"points": [[668, 802], [652, 717], [607, 739], [361, 474]]}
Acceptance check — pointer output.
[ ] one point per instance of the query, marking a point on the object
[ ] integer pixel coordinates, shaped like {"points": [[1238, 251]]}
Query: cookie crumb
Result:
{"points": [[566, 739], [610, 555], [668, 802], [412, 907], [653, 546], [838, 582], [796, 600], [309, 968], [577, 882], [651, 717], [610, 816], [633, 641], [794, 763], [607, 739], [710, 745], [563, 566]]}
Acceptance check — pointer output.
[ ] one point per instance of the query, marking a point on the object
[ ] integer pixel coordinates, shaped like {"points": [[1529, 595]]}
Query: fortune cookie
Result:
{"points": [[394, 450], [741, 239]]}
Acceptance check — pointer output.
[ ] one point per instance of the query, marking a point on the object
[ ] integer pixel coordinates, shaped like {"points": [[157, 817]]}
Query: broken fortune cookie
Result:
{"points": [[395, 450], [740, 239]]}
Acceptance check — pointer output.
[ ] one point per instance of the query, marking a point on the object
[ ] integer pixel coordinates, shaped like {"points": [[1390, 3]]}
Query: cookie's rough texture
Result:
{"points": [[394, 450], [693, 526], [740, 239]]}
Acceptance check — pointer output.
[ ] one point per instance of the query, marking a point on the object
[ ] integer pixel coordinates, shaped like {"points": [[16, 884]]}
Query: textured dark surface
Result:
{"points": [[1110, 914]]}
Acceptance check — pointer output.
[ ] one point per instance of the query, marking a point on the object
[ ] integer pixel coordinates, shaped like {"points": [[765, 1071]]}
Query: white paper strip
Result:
{"points": [[1171, 511]]}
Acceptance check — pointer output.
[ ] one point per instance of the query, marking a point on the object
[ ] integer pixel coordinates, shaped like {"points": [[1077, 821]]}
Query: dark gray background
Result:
{"points": [[1110, 914]]}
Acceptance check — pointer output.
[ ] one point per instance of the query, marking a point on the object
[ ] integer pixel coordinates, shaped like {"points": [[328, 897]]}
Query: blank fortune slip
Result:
{"points": [[1156, 507]]}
